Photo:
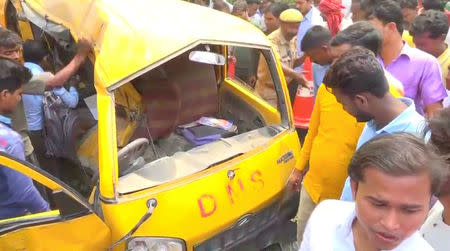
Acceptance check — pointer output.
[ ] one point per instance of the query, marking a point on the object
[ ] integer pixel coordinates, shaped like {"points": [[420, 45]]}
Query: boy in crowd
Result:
{"points": [[35, 53], [429, 31], [418, 71], [316, 45], [409, 11], [393, 178], [18, 195], [436, 228], [359, 84]]}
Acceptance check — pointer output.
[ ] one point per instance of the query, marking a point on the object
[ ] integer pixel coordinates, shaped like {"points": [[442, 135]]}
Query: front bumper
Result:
{"points": [[258, 230]]}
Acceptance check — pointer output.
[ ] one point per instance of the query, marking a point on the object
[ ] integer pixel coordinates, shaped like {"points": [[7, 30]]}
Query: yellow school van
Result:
{"points": [[180, 151]]}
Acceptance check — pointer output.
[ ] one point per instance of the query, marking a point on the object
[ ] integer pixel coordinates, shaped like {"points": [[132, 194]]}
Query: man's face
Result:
{"points": [[319, 55], [357, 13], [289, 30], [408, 16], [389, 208], [242, 15], [13, 53], [303, 6], [9, 100], [426, 43], [252, 8], [272, 22], [356, 106], [337, 51]]}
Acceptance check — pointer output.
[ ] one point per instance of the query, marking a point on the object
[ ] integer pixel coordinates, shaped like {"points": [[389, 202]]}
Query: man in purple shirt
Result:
{"points": [[418, 71], [18, 195]]}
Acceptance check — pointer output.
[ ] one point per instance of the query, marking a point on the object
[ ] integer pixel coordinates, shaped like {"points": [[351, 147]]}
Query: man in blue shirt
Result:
{"points": [[359, 84], [311, 17], [18, 195], [316, 45], [34, 53]]}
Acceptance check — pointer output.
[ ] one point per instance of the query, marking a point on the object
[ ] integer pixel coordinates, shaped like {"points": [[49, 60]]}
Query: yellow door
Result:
{"points": [[70, 224]]}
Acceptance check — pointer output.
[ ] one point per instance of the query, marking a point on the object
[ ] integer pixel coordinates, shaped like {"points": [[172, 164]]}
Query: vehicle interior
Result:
{"points": [[159, 136]]}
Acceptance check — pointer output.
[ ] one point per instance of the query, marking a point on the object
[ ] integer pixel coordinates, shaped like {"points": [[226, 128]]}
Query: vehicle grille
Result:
{"points": [[244, 229]]}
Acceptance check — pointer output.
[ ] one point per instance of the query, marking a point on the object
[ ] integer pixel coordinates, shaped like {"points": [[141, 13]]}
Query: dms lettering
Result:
{"points": [[207, 203]]}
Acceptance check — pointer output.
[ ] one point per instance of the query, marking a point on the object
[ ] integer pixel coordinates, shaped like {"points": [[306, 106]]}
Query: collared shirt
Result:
{"points": [[287, 51], [420, 74], [330, 229], [408, 121], [18, 195], [311, 19], [34, 103], [318, 75], [434, 230], [444, 61]]}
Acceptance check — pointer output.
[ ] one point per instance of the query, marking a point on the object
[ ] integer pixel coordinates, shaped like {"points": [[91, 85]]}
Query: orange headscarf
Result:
{"points": [[332, 9]]}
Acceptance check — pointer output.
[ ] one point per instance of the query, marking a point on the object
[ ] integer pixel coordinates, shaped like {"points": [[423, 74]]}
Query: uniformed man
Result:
{"points": [[284, 42]]}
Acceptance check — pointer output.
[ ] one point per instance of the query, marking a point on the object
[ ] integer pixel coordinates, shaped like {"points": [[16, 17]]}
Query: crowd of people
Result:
{"points": [[375, 158], [23, 82]]}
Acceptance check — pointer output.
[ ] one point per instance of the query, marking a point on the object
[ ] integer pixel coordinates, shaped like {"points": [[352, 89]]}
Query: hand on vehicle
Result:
{"points": [[84, 47], [295, 179]]}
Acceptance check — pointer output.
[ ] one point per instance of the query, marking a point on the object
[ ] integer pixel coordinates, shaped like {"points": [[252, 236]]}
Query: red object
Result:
{"points": [[304, 99], [332, 9], [448, 16], [231, 66]]}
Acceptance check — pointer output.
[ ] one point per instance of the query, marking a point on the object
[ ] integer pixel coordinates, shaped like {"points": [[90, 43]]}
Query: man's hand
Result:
{"points": [[295, 179], [300, 78], [84, 47]]}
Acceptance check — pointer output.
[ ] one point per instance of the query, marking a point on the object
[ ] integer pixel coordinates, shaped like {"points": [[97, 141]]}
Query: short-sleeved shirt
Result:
{"points": [[287, 51], [18, 195], [409, 121], [330, 228], [434, 230], [420, 74]]}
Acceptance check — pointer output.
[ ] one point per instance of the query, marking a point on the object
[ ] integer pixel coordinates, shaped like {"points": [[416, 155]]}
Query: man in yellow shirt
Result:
{"points": [[429, 31], [333, 133], [284, 42]]}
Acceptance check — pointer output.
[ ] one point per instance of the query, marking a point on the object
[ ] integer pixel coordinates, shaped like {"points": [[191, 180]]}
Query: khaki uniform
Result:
{"points": [[287, 51], [18, 119]]}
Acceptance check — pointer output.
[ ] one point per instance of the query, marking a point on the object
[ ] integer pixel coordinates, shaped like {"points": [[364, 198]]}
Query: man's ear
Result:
{"points": [[360, 100], [392, 27], [4, 94], [354, 187]]}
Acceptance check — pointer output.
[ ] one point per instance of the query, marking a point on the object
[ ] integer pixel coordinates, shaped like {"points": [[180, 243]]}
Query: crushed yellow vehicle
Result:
{"points": [[157, 67]]}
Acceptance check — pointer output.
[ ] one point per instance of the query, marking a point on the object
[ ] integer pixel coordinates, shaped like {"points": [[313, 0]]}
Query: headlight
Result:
{"points": [[155, 244]]}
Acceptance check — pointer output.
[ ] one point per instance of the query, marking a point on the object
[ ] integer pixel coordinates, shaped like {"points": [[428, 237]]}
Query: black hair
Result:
{"points": [[12, 75], [252, 2], [9, 39], [433, 5], [432, 21], [410, 4], [388, 11], [34, 51], [357, 71], [277, 8], [316, 37], [361, 33]]}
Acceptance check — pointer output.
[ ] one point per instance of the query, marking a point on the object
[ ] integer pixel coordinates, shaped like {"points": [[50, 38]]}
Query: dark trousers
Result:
{"points": [[49, 164], [301, 134]]}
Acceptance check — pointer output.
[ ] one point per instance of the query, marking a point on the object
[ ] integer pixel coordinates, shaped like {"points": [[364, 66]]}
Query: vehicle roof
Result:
{"points": [[130, 35]]}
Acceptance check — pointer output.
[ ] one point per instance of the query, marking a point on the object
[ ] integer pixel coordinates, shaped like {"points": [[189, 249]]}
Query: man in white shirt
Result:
{"points": [[436, 229], [393, 178]]}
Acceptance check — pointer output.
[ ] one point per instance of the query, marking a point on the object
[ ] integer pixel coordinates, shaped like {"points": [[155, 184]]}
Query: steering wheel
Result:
{"points": [[128, 155]]}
